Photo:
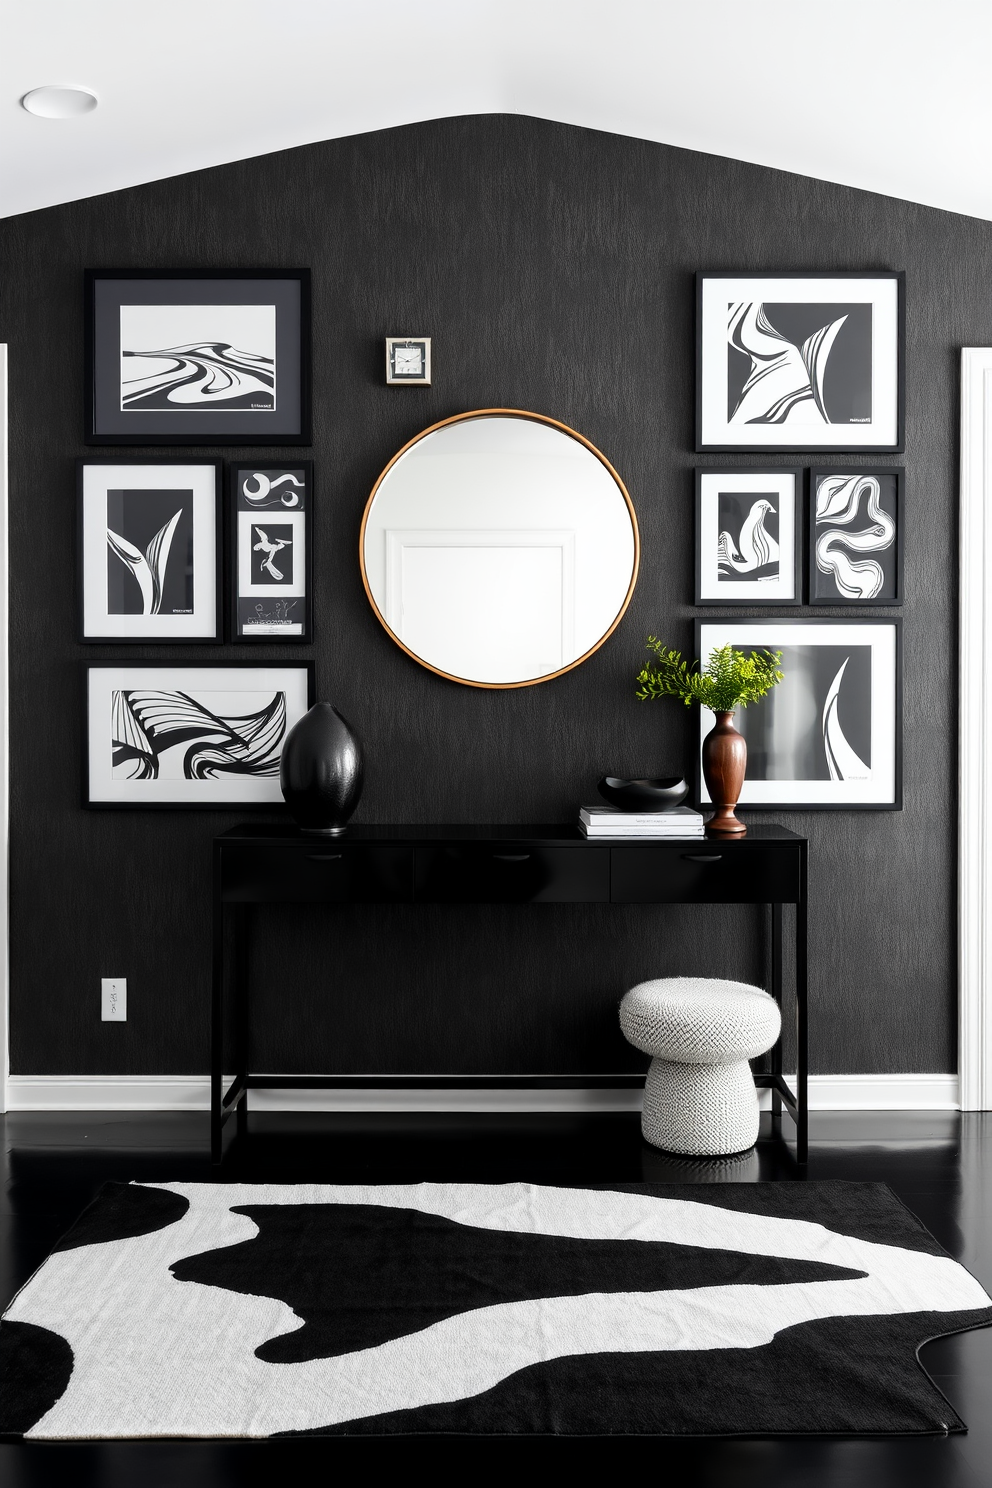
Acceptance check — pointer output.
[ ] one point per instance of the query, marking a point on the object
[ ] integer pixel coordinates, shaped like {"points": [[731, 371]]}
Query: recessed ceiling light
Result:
{"points": [[59, 103]]}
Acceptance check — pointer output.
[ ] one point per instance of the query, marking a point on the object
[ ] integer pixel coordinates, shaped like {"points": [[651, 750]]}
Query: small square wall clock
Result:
{"points": [[408, 359]]}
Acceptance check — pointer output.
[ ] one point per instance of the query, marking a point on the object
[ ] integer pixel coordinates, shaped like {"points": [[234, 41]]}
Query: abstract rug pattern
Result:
{"points": [[230, 1310]]}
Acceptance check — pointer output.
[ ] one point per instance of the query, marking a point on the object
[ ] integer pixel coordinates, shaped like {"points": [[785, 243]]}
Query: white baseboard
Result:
{"points": [[192, 1093]]}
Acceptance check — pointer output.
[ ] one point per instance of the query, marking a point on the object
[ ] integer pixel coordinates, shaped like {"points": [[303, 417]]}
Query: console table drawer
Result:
{"points": [[706, 873], [496, 874], [321, 872]]}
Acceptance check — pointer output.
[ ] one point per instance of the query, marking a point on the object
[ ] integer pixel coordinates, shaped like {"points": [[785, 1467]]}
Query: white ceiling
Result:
{"points": [[888, 95]]}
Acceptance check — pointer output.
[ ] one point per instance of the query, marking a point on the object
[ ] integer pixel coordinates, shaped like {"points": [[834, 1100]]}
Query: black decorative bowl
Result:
{"points": [[644, 795]]}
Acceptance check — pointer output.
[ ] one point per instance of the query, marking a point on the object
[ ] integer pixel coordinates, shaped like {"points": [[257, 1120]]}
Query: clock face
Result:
{"points": [[409, 360]]}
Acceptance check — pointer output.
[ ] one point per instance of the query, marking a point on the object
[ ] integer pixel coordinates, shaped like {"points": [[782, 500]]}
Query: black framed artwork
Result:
{"points": [[800, 361], [149, 543], [829, 736], [271, 541], [856, 532], [195, 734], [748, 546], [197, 356]]}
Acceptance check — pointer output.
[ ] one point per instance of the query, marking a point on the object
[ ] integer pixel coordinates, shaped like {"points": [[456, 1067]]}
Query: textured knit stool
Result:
{"points": [[699, 1097]]}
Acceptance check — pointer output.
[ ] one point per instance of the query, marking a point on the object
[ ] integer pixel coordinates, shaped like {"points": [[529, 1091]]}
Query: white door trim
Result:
{"points": [[975, 737], [4, 792]]}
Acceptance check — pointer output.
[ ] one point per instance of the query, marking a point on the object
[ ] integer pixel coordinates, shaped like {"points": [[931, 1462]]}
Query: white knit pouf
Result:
{"points": [[699, 1096]]}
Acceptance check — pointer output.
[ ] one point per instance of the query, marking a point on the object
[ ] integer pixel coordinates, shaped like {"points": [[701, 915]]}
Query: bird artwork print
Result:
{"points": [[756, 553], [270, 547]]}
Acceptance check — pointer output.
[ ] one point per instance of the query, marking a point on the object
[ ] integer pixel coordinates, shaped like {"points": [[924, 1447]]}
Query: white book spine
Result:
{"points": [[629, 819], [687, 831]]}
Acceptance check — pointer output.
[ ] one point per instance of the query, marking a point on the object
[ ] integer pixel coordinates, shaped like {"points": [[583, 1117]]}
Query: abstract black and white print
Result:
{"points": [[826, 696], [272, 554], [253, 1311], [272, 525], [258, 490], [150, 552], [828, 733], [186, 736], [799, 363], [198, 358], [747, 545], [854, 539], [190, 734], [149, 560]]}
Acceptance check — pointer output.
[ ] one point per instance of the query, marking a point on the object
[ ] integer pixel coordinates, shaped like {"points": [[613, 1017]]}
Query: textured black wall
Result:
{"points": [[553, 267]]}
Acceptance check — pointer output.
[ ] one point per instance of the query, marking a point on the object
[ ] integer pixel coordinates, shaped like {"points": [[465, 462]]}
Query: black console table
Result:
{"points": [[477, 865]]}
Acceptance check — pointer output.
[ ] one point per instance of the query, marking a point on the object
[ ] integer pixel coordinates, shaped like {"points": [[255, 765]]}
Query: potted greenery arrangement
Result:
{"points": [[730, 681]]}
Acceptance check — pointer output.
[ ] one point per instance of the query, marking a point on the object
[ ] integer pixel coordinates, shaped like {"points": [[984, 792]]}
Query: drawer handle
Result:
{"points": [[702, 857], [325, 857], [512, 857]]}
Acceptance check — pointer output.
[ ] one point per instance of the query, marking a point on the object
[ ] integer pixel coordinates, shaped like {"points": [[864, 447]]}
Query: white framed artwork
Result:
{"points": [[800, 361], [149, 550], [748, 550], [194, 734], [829, 736]]}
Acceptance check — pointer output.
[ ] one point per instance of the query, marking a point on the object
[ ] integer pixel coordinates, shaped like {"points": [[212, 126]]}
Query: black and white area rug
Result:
{"points": [[228, 1310]]}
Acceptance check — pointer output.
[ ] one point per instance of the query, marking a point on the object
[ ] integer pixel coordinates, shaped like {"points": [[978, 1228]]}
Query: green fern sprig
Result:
{"points": [[730, 680]]}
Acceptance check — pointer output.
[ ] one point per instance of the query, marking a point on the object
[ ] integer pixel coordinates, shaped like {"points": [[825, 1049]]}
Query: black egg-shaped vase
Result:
{"points": [[322, 772]]}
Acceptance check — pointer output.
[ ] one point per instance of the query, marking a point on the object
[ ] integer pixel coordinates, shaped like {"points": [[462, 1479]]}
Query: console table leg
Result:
{"points": [[776, 1051], [802, 988], [217, 1032], [241, 1013]]}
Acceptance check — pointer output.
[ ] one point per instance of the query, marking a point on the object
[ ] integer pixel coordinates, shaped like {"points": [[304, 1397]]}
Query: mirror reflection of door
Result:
{"points": [[509, 609], [499, 549]]}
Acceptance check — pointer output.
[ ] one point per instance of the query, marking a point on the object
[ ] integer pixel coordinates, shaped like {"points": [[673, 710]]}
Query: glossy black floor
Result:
{"points": [[940, 1166]]}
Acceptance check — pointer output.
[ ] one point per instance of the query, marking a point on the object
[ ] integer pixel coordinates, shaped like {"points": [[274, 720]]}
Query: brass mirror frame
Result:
{"points": [[535, 418]]}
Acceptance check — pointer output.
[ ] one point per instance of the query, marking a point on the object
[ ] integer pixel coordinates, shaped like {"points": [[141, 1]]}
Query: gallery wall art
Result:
{"points": [[271, 551], [196, 734], [856, 530], [198, 357], [798, 362], [149, 550], [830, 734], [748, 548]]}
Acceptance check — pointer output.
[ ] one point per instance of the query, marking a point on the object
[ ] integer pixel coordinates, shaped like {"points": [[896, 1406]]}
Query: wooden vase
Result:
{"points": [[724, 763]]}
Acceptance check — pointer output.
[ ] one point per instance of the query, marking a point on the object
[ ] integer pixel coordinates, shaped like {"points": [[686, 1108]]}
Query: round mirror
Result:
{"points": [[499, 548]]}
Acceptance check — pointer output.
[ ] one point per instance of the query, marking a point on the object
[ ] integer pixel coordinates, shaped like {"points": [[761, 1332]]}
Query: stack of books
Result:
{"points": [[608, 821]]}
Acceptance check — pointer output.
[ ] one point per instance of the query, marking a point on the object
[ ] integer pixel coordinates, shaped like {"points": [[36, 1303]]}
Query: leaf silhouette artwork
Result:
{"points": [[148, 567]]}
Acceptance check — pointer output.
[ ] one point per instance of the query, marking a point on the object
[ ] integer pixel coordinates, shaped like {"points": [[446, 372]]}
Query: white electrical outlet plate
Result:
{"points": [[113, 999]]}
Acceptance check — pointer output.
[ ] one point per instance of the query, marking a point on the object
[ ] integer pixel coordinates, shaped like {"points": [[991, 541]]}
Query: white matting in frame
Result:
{"points": [[149, 550], [272, 555], [829, 735], [747, 540], [799, 362], [186, 735]]}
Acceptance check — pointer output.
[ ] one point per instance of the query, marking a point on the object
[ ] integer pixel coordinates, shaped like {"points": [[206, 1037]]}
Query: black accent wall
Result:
{"points": [[553, 268]]}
